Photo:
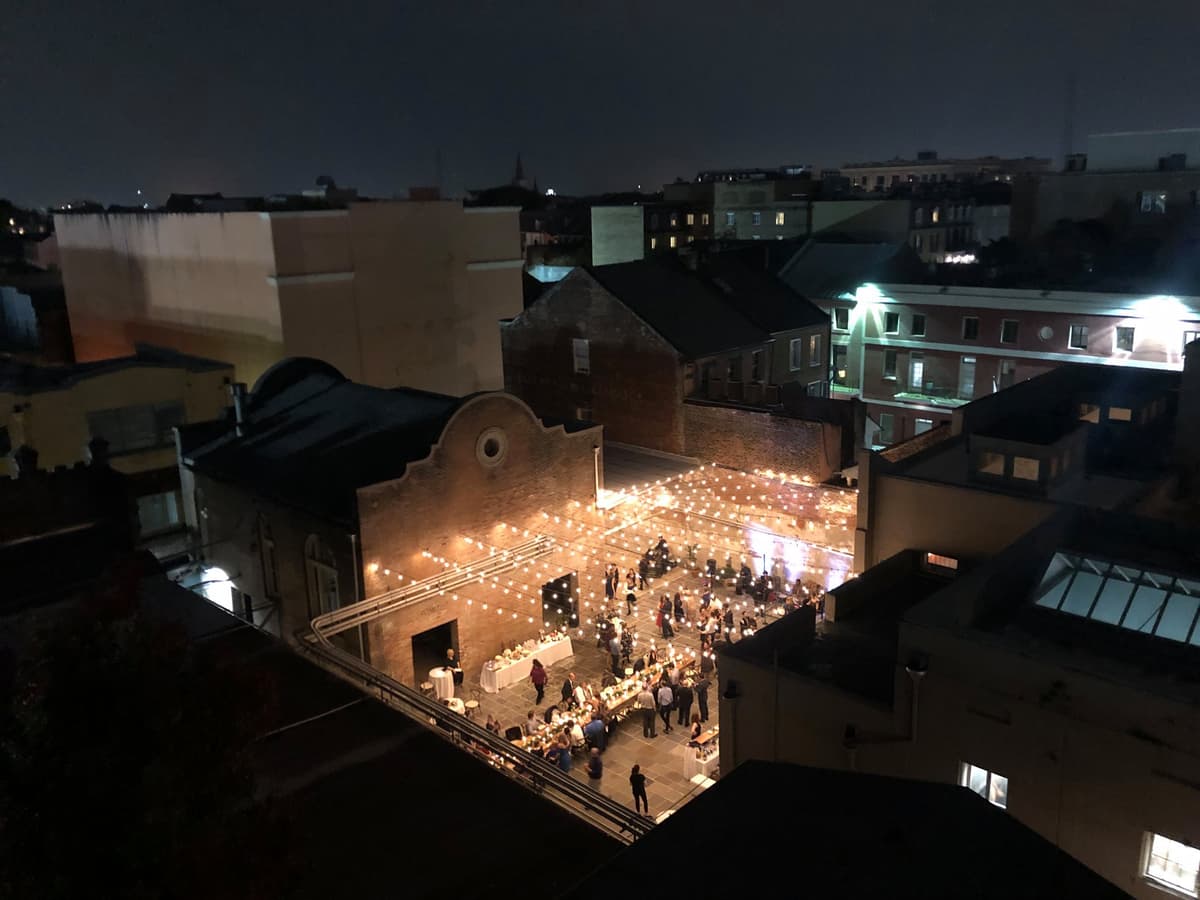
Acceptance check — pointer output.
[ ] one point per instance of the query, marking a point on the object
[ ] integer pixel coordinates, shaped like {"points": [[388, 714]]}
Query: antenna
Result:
{"points": [[1068, 136], [437, 171]]}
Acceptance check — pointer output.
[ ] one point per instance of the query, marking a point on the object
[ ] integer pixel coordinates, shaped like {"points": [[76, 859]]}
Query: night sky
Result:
{"points": [[99, 99]]}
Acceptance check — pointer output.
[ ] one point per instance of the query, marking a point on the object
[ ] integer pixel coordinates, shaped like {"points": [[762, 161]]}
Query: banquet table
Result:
{"points": [[495, 676], [443, 682]]}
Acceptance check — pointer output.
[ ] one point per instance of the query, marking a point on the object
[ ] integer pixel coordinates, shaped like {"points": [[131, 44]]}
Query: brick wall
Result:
{"points": [[635, 386], [748, 440], [453, 494]]}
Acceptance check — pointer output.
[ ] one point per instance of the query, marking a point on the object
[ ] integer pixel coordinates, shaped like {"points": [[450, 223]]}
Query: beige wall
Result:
{"points": [[55, 423], [618, 234], [885, 220]]}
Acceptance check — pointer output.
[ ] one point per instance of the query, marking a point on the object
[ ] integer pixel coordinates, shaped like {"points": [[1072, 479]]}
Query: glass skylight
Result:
{"points": [[1166, 606]]}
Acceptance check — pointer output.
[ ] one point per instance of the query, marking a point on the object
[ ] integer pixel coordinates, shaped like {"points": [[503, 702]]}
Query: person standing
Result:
{"points": [[568, 690], [614, 651], [701, 692], [664, 617], [643, 571], [637, 781], [683, 701], [537, 674], [630, 602], [454, 664], [665, 698], [646, 703], [595, 769], [679, 614], [609, 583]]}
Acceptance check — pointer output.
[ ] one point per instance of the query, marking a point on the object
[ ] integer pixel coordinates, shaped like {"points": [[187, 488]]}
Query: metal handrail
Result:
{"points": [[530, 771]]}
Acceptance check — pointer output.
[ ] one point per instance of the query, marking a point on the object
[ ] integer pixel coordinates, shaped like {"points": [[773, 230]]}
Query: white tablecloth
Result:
{"points": [[443, 682], [705, 767], [502, 676]]}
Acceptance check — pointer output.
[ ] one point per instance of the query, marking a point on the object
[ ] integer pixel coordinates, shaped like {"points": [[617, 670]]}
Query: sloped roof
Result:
{"points": [[311, 437], [23, 377], [761, 297], [826, 269]]}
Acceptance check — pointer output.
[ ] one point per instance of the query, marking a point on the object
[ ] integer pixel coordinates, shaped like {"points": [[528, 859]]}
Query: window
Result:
{"points": [[581, 356], [1171, 863], [796, 354], [730, 219], [814, 351], [321, 571], [1120, 414], [674, 220], [916, 242], [673, 241], [990, 463], [756, 218], [891, 323], [923, 425], [653, 243], [691, 238], [1189, 336], [889, 363], [839, 363], [131, 428], [916, 372], [779, 218], [1008, 373], [966, 378], [1152, 202], [1008, 331], [988, 785], [584, 414], [887, 425], [733, 370], [919, 216], [691, 218], [841, 318], [1089, 412], [756, 367], [1124, 337], [270, 565], [970, 328], [942, 562], [1077, 339], [918, 325], [654, 221], [157, 512], [935, 216], [703, 218], [1026, 468]]}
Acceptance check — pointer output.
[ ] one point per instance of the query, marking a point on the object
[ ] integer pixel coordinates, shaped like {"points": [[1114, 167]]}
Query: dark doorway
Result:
{"points": [[429, 649], [560, 601]]}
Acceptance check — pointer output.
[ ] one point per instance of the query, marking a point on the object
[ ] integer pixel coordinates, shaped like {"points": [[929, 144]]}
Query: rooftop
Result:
{"points": [[27, 378], [1035, 161], [1036, 429], [827, 269], [868, 835]]}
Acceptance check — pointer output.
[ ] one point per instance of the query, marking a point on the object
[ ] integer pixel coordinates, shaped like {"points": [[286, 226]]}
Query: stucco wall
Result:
{"points": [[749, 440]]}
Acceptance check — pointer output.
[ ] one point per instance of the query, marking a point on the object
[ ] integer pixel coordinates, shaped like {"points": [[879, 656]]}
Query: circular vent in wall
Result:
{"points": [[491, 446], [1045, 332]]}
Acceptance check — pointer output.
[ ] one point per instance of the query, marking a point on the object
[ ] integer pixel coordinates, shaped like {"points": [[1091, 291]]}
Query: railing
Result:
{"points": [[530, 771]]}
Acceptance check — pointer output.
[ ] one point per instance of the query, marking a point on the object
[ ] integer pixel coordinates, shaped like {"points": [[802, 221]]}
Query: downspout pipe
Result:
{"points": [[916, 671]]}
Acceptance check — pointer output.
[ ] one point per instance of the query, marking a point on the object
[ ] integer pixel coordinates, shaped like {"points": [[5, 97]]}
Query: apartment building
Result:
{"points": [[390, 292], [928, 168], [915, 352]]}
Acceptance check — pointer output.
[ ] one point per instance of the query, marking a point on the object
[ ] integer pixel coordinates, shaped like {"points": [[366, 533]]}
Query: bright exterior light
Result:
{"points": [[217, 587], [549, 192]]}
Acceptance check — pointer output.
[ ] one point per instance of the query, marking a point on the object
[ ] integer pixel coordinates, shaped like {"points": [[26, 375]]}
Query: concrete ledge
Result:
{"points": [[661, 454]]}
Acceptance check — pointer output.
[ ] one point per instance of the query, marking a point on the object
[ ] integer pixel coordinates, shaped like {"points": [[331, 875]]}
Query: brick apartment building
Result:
{"points": [[327, 491]]}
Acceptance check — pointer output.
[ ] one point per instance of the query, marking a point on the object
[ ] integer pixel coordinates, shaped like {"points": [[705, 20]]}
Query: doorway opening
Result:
{"points": [[560, 602], [429, 649]]}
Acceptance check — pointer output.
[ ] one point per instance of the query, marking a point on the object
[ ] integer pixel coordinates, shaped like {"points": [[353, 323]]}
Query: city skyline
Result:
{"points": [[264, 99]]}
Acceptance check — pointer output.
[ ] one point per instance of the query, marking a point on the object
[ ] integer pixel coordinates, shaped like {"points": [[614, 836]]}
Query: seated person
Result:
{"points": [[594, 732], [550, 715], [577, 736]]}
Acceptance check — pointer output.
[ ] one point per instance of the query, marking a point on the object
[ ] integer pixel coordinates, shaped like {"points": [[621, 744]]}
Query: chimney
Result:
{"points": [[97, 452], [25, 459], [237, 391]]}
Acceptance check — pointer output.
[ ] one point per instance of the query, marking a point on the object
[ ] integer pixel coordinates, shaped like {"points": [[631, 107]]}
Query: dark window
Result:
{"points": [[891, 323], [970, 331], [1124, 337], [889, 363], [841, 319], [735, 369], [756, 366], [1008, 331], [918, 325], [131, 428]]}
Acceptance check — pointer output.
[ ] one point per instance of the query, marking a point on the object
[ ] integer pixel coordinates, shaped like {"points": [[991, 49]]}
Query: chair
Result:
{"points": [[514, 733], [427, 688], [472, 706]]}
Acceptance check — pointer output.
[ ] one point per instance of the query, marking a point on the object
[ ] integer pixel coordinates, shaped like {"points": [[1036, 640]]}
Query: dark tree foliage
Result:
{"points": [[124, 764]]}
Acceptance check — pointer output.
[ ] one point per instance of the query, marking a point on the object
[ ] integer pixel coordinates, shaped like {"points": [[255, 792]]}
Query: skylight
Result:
{"points": [[1129, 597]]}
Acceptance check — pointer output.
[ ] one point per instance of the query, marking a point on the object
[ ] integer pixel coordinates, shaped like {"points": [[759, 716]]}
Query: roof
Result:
{"points": [[825, 269], [867, 835], [691, 315], [1035, 429], [948, 161], [762, 298], [311, 437], [23, 377]]}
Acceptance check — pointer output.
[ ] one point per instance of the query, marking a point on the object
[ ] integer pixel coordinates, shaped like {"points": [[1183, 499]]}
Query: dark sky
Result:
{"points": [[98, 99]]}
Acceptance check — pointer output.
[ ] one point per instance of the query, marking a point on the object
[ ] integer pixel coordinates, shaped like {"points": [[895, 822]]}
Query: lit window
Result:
{"points": [[918, 325], [889, 363], [936, 215], [1026, 468], [943, 562], [673, 241], [1089, 412], [1119, 414], [1172, 864], [691, 238], [1124, 339], [1152, 202], [922, 426], [674, 221], [653, 243], [970, 328], [581, 355], [1077, 340], [703, 218], [891, 323], [991, 463], [916, 371], [691, 218], [841, 319], [779, 218], [887, 425], [730, 218], [755, 218], [796, 354], [988, 785], [1008, 331], [814, 350]]}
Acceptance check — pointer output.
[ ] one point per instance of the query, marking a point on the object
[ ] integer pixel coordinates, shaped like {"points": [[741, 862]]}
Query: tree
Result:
{"points": [[124, 764]]}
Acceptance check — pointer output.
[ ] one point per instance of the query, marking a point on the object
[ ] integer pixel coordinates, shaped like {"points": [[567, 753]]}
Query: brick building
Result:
{"points": [[325, 492], [626, 345]]}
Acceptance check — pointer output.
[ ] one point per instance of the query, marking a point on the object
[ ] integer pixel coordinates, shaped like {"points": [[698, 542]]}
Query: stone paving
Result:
{"points": [[661, 757]]}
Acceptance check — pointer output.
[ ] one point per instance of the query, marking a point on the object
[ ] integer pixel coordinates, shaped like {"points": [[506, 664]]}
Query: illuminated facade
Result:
{"points": [[914, 352]]}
